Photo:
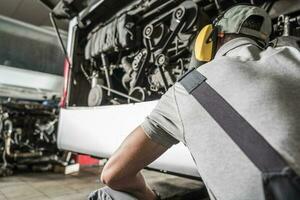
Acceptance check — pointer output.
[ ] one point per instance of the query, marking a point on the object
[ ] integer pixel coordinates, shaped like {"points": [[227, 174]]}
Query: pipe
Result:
{"points": [[105, 66], [120, 93], [7, 142]]}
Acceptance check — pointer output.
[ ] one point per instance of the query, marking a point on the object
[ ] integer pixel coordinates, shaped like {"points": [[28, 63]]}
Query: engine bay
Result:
{"points": [[140, 51], [28, 135]]}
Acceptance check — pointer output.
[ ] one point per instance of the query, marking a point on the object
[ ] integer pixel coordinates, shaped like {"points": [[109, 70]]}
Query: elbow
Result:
{"points": [[106, 177], [109, 178]]}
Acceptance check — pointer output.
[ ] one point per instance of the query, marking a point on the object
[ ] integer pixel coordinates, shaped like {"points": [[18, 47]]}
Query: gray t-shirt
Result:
{"points": [[263, 85]]}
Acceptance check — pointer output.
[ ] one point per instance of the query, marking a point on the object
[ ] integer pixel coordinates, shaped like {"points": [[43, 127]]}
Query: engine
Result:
{"points": [[28, 137], [138, 52], [138, 55]]}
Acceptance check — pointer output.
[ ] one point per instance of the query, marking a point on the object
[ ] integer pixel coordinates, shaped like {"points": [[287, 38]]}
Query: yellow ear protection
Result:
{"points": [[207, 40], [206, 43], [203, 47]]}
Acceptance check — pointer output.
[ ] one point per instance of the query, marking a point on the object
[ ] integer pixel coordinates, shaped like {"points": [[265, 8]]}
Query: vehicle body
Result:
{"points": [[124, 55], [31, 83], [30, 60]]}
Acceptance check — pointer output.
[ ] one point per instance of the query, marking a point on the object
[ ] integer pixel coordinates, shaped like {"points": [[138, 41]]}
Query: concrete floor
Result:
{"points": [[45, 186]]}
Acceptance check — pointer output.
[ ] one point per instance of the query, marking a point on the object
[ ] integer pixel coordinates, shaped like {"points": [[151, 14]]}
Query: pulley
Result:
{"points": [[95, 97], [137, 93]]}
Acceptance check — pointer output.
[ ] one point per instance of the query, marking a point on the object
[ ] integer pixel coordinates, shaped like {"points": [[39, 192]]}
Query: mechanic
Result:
{"points": [[261, 82]]}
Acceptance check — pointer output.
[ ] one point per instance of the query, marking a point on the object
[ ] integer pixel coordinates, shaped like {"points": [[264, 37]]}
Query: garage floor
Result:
{"points": [[55, 186]]}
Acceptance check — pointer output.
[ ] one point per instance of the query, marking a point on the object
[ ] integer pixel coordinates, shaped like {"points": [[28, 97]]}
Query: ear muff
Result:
{"points": [[206, 43]]}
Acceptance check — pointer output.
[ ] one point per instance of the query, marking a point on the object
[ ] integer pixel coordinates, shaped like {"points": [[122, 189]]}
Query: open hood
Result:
{"points": [[66, 9], [50, 3]]}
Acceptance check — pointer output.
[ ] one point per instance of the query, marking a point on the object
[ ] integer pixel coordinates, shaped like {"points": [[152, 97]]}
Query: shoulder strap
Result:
{"points": [[256, 148]]}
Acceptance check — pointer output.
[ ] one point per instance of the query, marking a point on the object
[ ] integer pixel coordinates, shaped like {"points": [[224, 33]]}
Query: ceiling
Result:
{"points": [[30, 11], [34, 12]]}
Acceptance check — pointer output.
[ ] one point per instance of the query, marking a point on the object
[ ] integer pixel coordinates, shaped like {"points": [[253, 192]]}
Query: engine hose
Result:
{"points": [[8, 140], [8, 124], [8, 127], [120, 93], [1, 126], [4, 160], [85, 74]]}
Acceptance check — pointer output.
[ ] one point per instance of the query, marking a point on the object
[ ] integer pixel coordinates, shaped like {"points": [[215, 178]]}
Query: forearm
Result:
{"points": [[122, 171]]}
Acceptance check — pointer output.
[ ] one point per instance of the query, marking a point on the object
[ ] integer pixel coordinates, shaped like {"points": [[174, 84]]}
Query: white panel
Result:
{"points": [[19, 83], [99, 131]]}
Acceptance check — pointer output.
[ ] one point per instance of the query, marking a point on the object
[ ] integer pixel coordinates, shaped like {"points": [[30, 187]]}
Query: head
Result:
{"points": [[239, 21]]}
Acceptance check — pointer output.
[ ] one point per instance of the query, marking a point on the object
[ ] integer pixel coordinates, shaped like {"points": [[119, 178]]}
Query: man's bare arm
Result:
{"points": [[122, 171]]}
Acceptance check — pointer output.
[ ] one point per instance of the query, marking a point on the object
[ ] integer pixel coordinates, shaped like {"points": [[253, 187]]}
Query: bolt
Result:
{"points": [[179, 13], [161, 59], [148, 30]]}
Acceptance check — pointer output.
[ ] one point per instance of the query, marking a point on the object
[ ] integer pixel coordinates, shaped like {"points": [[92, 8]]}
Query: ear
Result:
{"points": [[204, 44]]}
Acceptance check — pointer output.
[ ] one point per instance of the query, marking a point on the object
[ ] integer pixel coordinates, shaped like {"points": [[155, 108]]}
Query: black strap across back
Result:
{"points": [[253, 144]]}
